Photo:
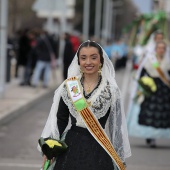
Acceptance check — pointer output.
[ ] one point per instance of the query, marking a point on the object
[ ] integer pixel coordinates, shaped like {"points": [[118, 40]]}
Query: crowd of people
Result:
{"points": [[38, 52]]}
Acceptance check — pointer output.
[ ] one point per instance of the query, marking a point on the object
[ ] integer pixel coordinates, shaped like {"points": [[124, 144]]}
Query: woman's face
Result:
{"points": [[160, 49], [89, 59], [159, 37]]}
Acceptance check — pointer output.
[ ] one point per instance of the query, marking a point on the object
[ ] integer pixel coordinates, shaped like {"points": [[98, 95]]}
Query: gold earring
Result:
{"points": [[100, 69], [81, 72]]}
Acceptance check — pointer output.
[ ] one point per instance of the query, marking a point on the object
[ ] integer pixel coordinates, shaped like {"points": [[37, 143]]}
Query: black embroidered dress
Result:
{"points": [[155, 110], [84, 152], [151, 117]]}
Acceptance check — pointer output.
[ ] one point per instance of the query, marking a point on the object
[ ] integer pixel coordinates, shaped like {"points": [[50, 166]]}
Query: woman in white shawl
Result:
{"points": [[150, 118], [140, 52], [95, 71]]}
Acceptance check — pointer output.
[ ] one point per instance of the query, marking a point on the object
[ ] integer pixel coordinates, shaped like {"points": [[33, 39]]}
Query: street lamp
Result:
{"points": [[3, 44], [86, 13], [98, 12], [107, 21]]}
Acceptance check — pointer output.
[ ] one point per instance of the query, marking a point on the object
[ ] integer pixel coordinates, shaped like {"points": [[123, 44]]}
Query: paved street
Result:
{"points": [[19, 140], [144, 158]]}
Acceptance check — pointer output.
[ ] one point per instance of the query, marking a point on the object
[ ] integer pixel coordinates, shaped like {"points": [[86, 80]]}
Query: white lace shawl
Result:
{"points": [[164, 64], [100, 101], [146, 63], [116, 127]]}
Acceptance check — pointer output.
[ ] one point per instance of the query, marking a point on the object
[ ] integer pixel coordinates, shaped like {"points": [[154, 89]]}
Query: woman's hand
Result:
{"points": [[44, 161], [52, 160]]}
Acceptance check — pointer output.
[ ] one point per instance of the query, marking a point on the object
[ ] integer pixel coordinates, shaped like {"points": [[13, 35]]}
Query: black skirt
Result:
{"points": [[84, 153], [155, 110]]}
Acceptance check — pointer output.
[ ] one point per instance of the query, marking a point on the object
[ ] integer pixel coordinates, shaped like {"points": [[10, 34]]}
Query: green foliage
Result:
{"points": [[143, 26]]}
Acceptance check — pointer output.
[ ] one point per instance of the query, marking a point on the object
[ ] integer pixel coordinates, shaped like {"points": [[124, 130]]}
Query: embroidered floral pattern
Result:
{"points": [[102, 103], [68, 102], [99, 107]]}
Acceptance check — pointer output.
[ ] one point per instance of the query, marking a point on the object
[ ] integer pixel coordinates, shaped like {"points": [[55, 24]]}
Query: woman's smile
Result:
{"points": [[89, 68]]}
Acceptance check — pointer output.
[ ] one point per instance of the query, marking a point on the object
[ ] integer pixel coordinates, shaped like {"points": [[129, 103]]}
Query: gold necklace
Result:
{"points": [[89, 87]]}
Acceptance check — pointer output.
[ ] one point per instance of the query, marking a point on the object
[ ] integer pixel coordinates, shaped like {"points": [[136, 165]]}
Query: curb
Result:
{"points": [[16, 112]]}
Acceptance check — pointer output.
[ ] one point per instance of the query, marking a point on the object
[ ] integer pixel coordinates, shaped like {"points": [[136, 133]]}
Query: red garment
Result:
{"points": [[135, 66], [75, 42], [33, 43]]}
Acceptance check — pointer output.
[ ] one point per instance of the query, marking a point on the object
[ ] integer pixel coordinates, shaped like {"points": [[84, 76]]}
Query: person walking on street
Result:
{"points": [[23, 50], [97, 136], [31, 59], [149, 116], [68, 54], [45, 57]]}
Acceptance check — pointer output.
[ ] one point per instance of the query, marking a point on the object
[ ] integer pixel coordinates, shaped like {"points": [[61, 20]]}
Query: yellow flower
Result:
{"points": [[51, 143], [149, 82]]}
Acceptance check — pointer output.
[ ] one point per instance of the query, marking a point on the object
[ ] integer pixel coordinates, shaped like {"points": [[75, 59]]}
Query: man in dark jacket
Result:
{"points": [[68, 54]]}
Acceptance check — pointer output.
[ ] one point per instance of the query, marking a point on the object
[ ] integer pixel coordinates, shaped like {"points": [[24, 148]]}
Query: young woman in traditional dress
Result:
{"points": [[87, 108], [150, 118]]}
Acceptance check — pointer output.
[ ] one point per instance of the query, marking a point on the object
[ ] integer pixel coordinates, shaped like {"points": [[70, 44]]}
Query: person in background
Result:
{"points": [[45, 55], [149, 116], [54, 41], [31, 58], [24, 48], [155, 37], [75, 42], [68, 54], [119, 54], [141, 52]]}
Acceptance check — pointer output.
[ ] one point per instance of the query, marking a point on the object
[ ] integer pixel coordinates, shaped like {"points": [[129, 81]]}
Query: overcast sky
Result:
{"points": [[144, 6]]}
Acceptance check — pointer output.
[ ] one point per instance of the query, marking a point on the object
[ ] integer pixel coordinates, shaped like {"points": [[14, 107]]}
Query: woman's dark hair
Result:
{"points": [[91, 44]]}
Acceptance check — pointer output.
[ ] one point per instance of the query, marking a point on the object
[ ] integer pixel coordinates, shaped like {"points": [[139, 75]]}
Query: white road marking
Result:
{"points": [[20, 165], [145, 167]]}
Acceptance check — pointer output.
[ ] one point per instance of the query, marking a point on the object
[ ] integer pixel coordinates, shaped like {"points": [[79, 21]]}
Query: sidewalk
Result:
{"points": [[20, 98]]}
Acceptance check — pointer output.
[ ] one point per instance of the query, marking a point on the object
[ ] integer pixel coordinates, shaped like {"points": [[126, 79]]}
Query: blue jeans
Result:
{"points": [[40, 65]]}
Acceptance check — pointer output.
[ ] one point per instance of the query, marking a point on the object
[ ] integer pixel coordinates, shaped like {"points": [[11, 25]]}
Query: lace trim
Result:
{"points": [[117, 125], [105, 99], [100, 100], [118, 133], [67, 100]]}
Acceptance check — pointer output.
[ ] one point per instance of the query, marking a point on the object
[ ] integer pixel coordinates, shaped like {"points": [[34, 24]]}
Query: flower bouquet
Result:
{"points": [[147, 87], [51, 148]]}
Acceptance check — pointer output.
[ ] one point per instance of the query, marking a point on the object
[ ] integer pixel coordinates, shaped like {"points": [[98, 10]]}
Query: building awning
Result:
{"points": [[54, 8]]}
